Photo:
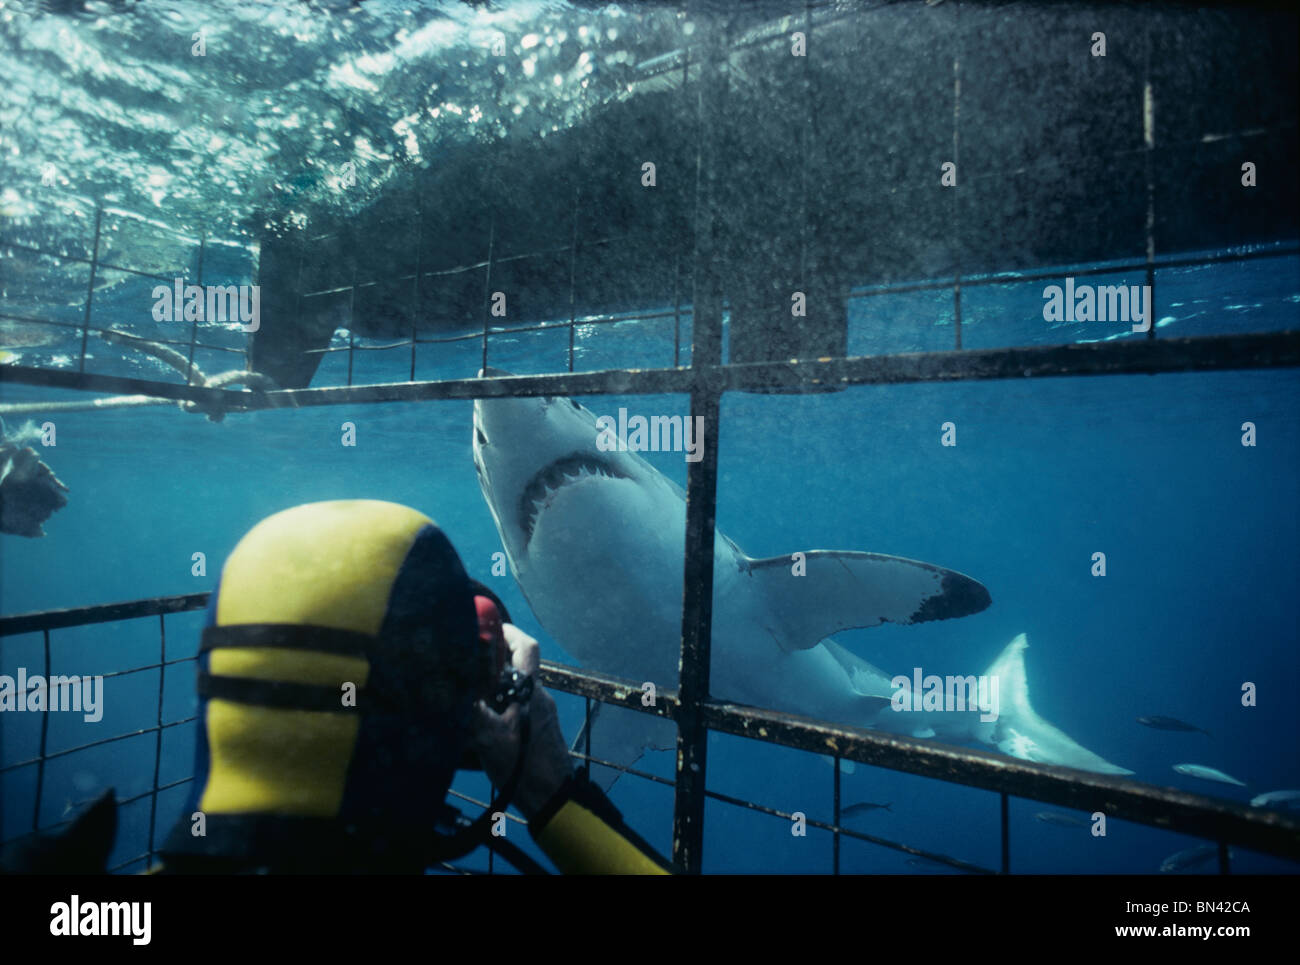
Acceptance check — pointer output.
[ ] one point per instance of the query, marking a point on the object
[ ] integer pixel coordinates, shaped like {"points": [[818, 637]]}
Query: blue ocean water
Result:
{"points": [[1199, 532]]}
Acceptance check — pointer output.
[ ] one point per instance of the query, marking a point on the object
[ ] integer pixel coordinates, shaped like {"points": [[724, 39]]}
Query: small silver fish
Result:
{"points": [[1191, 858], [863, 808], [1275, 799], [1062, 819], [1207, 774], [1172, 723]]}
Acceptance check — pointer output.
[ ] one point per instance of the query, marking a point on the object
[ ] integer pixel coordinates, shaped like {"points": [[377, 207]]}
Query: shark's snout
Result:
{"points": [[527, 450]]}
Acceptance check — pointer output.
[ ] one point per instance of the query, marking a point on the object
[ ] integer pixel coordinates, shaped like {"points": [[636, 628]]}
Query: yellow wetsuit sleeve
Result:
{"points": [[584, 834]]}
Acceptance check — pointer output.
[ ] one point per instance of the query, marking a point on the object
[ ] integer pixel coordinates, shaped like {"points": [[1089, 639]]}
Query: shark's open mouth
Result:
{"points": [[560, 473]]}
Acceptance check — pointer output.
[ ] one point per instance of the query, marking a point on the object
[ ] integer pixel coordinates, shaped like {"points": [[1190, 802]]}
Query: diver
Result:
{"points": [[348, 668]]}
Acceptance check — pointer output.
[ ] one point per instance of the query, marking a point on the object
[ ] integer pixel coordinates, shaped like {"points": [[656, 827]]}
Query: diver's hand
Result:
{"points": [[496, 736]]}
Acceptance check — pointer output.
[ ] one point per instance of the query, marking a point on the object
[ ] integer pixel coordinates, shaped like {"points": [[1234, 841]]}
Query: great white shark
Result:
{"points": [[595, 539]]}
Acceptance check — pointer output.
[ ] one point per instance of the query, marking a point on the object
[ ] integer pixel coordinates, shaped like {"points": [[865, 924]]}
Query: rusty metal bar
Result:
{"points": [[1214, 819], [1125, 799], [608, 690], [697, 627], [701, 476], [1161, 807], [100, 613], [1208, 353]]}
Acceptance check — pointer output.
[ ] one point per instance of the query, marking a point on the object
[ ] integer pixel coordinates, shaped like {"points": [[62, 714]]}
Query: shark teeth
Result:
{"points": [[558, 474]]}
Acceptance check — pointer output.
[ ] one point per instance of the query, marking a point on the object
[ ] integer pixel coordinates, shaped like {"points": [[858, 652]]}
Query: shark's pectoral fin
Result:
{"points": [[621, 737], [811, 595], [871, 704]]}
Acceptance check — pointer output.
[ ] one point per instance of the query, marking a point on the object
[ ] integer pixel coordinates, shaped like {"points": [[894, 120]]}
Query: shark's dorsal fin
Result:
{"points": [[843, 590]]}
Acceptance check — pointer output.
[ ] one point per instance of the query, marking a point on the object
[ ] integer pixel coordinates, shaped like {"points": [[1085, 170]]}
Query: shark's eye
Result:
{"points": [[482, 439], [575, 405]]}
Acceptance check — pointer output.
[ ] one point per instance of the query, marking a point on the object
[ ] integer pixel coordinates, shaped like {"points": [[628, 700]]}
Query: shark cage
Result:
{"points": [[835, 235]]}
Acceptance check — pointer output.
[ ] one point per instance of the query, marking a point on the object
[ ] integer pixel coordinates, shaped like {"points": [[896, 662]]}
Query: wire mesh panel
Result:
{"points": [[123, 280], [831, 235], [104, 725], [49, 767]]}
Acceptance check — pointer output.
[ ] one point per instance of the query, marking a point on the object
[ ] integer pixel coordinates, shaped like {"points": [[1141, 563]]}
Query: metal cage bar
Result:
{"points": [[693, 708], [1207, 353], [1217, 820]]}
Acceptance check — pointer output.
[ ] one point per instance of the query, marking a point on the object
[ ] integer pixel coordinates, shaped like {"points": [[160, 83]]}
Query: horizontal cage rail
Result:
{"points": [[1140, 357], [1160, 807]]}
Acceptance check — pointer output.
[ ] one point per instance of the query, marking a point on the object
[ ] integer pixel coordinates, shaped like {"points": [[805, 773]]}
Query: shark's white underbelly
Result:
{"points": [[616, 607]]}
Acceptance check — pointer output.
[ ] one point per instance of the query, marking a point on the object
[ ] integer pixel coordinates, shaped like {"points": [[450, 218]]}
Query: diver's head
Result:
{"points": [[337, 675]]}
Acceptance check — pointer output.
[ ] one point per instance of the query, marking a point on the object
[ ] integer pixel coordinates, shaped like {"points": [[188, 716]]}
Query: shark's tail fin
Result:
{"points": [[1020, 732]]}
